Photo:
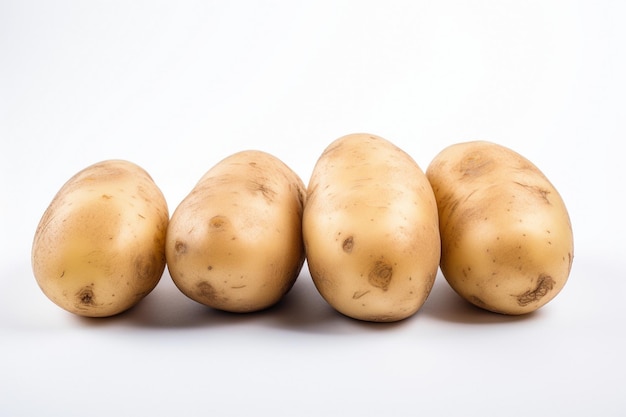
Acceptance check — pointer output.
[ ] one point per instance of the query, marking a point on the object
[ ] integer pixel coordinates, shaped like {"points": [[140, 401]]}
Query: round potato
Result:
{"points": [[100, 245], [235, 242], [370, 229], [507, 242]]}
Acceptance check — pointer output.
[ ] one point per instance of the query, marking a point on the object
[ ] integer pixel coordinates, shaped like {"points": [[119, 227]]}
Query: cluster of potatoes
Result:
{"points": [[373, 227]]}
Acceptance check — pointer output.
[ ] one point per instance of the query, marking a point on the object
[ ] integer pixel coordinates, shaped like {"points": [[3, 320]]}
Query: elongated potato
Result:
{"points": [[507, 242], [370, 229], [235, 242], [100, 245]]}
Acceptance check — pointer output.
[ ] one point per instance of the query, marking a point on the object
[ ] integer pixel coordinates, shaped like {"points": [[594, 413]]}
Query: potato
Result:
{"points": [[507, 242], [370, 229], [100, 245], [235, 242]]}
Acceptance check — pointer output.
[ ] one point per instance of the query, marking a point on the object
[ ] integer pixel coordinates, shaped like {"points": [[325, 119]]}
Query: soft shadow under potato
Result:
{"points": [[446, 305], [165, 307], [304, 310]]}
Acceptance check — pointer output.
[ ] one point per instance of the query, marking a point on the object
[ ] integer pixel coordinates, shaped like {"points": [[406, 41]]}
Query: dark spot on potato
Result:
{"points": [[218, 222], [206, 291], [359, 294], [380, 275], [475, 164], [106, 196], [180, 247], [259, 185], [545, 283], [86, 297], [540, 193], [210, 267], [348, 244], [145, 268], [571, 261]]}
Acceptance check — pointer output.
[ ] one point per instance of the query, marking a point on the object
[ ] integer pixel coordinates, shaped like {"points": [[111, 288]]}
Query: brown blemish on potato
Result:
{"points": [[545, 283], [359, 294], [540, 193], [218, 222], [85, 297], [475, 164], [207, 292], [180, 247], [348, 244], [145, 268], [380, 275], [571, 261], [259, 185]]}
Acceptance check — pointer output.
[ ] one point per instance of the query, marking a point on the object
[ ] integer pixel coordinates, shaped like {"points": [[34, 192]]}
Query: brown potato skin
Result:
{"points": [[235, 242], [370, 229], [99, 247], [507, 240]]}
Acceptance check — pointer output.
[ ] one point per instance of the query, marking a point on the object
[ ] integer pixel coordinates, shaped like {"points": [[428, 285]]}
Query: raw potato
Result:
{"points": [[235, 242], [100, 245], [370, 229], [507, 242]]}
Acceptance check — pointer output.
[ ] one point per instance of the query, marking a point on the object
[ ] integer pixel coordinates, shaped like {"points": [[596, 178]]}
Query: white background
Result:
{"points": [[177, 86]]}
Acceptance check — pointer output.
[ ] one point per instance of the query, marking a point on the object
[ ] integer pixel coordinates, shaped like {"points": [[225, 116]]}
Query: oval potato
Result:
{"points": [[235, 242], [370, 229], [507, 242], [99, 247]]}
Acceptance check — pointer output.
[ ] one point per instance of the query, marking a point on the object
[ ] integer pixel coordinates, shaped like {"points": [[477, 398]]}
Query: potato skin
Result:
{"points": [[507, 241], [370, 229], [99, 247], [235, 242]]}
